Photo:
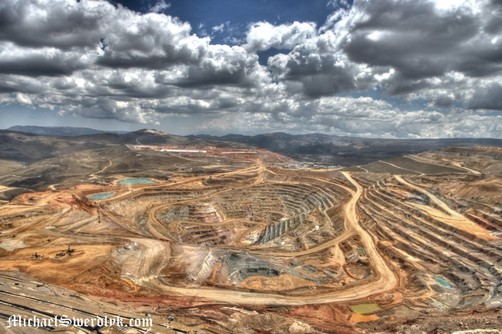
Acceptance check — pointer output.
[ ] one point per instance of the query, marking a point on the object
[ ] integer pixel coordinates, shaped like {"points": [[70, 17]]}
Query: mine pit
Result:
{"points": [[252, 239]]}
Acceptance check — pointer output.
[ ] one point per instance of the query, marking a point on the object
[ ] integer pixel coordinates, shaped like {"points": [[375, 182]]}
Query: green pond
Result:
{"points": [[136, 181], [100, 195], [365, 308], [443, 282]]}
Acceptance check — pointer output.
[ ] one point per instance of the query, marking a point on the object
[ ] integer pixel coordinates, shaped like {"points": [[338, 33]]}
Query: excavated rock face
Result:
{"points": [[250, 248]]}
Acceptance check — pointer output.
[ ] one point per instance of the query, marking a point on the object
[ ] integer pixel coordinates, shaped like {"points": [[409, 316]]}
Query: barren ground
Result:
{"points": [[248, 244]]}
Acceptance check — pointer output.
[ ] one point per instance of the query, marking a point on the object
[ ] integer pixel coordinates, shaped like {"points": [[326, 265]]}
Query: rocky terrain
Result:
{"points": [[218, 237]]}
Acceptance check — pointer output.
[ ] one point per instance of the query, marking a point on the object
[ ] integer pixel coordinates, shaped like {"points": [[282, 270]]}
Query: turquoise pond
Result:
{"points": [[100, 195], [443, 282], [136, 181]]}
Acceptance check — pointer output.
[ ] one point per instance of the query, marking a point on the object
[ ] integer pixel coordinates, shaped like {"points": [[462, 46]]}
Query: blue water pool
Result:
{"points": [[443, 282], [136, 181], [100, 195]]}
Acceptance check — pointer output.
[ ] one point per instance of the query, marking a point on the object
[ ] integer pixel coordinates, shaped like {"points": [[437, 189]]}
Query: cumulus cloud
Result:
{"points": [[424, 39], [40, 61], [377, 68], [414, 38], [320, 72], [263, 35], [222, 65]]}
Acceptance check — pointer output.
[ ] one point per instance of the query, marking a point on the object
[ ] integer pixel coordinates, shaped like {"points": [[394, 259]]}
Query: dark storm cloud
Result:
{"points": [[412, 63], [135, 90], [399, 85], [124, 61], [412, 37], [64, 25], [208, 76], [320, 72], [28, 85], [487, 98], [492, 24], [327, 84], [8, 86], [223, 65], [40, 64], [443, 101], [133, 40]]}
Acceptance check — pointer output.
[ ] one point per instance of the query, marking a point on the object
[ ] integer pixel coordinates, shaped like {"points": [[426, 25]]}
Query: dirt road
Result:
{"points": [[447, 215], [385, 279]]}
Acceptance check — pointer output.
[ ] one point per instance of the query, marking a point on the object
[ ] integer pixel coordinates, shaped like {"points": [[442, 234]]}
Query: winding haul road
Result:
{"points": [[450, 216], [385, 280]]}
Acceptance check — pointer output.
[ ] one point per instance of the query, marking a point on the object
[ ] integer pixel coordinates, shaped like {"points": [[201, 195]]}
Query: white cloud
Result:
{"points": [[440, 60], [23, 98], [263, 35], [219, 28], [455, 5], [160, 6]]}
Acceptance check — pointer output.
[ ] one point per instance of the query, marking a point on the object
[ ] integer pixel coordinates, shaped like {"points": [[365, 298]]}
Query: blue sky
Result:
{"points": [[401, 69], [227, 21], [240, 13], [237, 15]]}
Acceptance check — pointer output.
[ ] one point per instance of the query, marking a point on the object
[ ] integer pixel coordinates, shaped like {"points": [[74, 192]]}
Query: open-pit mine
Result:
{"points": [[214, 239]]}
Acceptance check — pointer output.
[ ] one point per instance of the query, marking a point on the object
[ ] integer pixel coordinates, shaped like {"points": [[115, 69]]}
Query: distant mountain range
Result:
{"points": [[318, 148], [341, 150], [62, 131]]}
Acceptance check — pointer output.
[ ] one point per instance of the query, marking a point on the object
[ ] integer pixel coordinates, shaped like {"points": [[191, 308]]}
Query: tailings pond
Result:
{"points": [[100, 195], [135, 181], [443, 282]]}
